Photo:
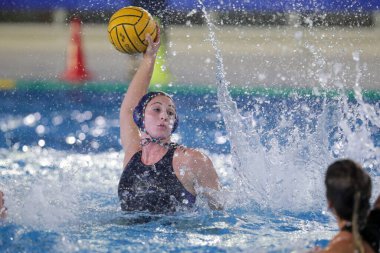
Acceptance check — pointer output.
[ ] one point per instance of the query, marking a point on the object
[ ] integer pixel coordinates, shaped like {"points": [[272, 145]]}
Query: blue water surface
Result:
{"points": [[60, 161]]}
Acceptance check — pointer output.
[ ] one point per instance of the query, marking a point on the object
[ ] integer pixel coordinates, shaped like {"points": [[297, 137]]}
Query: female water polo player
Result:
{"points": [[159, 176], [348, 191]]}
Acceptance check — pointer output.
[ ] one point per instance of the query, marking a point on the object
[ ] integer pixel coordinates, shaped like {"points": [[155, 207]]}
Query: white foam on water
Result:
{"points": [[51, 189], [46, 188]]}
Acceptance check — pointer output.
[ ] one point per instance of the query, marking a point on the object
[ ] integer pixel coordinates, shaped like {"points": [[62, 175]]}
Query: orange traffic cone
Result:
{"points": [[76, 70]]}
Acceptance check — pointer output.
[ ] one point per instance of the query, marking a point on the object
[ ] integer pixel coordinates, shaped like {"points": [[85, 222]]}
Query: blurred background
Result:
{"points": [[262, 42]]}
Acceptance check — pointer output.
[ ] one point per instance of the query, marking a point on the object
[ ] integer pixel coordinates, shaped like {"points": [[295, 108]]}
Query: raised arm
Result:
{"points": [[138, 87]]}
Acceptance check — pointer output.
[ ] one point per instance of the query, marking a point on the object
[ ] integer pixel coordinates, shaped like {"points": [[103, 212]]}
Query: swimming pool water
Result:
{"points": [[60, 161]]}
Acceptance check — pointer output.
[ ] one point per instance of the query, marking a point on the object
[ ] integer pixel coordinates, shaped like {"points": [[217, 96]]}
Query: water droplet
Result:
{"points": [[356, 56], [40, 129], [81, 136], [70, 140], [57, 120], [298, 35], [41, 143], [262, 77]]}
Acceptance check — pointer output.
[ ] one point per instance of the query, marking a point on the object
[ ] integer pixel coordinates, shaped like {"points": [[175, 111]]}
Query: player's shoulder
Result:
{"points": [[190, 154], [342, 242], [181, 149]]}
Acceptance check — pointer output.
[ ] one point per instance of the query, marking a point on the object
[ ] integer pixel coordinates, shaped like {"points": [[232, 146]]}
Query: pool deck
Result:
{"points": [[253, 56]]}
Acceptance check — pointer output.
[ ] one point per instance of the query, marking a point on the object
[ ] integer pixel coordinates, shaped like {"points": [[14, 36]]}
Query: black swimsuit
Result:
{"points": [[154, 188], [371, 232]]}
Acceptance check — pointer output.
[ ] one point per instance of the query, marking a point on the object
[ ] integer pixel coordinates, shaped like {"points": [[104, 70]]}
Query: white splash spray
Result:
{"points": [[290, 176]]}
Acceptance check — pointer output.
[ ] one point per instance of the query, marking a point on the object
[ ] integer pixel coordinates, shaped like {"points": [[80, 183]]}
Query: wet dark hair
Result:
{"points": [[346, 182]]}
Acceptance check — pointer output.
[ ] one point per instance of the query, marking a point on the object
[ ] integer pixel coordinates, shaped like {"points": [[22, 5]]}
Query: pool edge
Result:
{"points": [[276, 91]]}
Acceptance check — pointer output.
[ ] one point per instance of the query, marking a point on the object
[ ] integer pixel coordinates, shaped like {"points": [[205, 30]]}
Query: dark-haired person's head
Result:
{"points": [[152, 104], [344, 180]]}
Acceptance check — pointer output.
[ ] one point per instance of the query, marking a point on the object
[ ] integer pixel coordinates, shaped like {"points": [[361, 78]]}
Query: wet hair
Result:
{"points": [[348, 189], [345, 178], [139, 111]]}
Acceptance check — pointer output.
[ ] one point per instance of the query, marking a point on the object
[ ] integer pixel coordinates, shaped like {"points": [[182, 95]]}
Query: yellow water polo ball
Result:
{"points": [[127, 29]]}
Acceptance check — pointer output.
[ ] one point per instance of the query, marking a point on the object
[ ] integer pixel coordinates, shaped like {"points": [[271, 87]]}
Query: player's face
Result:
{"points": [[160, 115]]}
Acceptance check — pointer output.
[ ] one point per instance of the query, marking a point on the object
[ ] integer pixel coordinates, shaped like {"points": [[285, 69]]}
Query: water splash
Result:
{"points": [[282, 168], [231, 115], [55, 185]]}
